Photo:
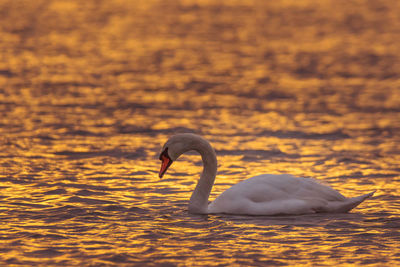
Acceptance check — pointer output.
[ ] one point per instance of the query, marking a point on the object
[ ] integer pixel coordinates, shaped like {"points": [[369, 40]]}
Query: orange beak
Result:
{"points": [[166, 161]]}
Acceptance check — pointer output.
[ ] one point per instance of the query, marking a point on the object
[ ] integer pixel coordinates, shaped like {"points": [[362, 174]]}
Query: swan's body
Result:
{"points": [[265, 194]]}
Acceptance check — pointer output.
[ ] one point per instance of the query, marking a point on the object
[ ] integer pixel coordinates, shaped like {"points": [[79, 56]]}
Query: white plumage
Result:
{"points": [[265, 194]]}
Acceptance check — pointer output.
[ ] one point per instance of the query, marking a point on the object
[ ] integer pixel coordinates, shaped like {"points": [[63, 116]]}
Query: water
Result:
{"points": [[90, 91]]}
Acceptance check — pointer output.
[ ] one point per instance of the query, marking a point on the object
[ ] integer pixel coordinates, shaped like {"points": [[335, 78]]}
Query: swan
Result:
{"points": [[265, 194]]}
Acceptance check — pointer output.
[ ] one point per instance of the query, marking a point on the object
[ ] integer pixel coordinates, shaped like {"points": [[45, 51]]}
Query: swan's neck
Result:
{"points": [[199, 199]]}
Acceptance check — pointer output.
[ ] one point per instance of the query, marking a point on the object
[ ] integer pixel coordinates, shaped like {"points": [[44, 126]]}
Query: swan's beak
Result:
{"points": [[166, 161]]}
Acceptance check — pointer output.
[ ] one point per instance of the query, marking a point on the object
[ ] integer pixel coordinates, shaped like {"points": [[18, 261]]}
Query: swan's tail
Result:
{"points": [[353, 202]]}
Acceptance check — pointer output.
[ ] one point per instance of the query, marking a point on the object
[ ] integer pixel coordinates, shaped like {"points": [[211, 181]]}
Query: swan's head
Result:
{"points": [[174, 147]]}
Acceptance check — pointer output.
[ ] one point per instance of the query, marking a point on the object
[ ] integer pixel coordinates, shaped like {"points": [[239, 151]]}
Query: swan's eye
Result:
{"points": [[164, 154]]}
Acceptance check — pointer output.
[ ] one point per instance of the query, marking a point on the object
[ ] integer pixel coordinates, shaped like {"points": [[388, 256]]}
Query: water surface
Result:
{"points": [[89, 92]]}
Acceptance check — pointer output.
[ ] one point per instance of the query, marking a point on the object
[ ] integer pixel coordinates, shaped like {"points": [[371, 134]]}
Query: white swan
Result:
{"points": [[265, 194]]}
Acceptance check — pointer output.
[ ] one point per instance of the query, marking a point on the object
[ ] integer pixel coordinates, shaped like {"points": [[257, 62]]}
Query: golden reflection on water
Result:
{"points": [[90, 91]]}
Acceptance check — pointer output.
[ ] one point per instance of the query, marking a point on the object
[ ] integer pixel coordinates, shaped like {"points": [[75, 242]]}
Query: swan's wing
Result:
{"points": [[275, 194], [268, 187]]}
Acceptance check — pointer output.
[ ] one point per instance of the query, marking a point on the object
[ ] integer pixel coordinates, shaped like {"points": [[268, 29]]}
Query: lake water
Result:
{"points": [[90, 91]]}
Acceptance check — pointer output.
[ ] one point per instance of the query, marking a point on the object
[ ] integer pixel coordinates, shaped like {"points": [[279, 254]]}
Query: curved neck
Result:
{"points": [[199, 199]]}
